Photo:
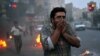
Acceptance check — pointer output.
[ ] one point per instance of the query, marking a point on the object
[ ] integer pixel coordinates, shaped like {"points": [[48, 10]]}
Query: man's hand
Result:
{"points": [[64, 27], [60, 26], [71, 39]]}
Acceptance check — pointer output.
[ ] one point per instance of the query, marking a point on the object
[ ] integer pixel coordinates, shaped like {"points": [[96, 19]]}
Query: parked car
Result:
{"points": [[79, 26]]}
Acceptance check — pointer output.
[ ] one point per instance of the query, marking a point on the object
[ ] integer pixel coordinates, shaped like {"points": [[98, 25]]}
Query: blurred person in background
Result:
{"points": [[16, 32]]}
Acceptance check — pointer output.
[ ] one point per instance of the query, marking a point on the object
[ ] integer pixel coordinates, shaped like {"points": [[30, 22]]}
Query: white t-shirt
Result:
{"points": [[16, 31]]}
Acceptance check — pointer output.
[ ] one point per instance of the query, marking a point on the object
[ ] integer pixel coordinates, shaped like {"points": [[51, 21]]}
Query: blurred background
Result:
{"points": [[83, 16]]}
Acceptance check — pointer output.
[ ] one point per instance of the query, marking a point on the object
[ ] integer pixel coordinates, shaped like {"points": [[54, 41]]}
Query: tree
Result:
{"points": [[96, 17], [16, 10], [84, 14], [12, 12], [4, 25]]}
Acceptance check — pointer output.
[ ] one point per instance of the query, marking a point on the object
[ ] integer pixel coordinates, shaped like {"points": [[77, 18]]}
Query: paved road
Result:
{"points": [[90, 39], [27, 50]]}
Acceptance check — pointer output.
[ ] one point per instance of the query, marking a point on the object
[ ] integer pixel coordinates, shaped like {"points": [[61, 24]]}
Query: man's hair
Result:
{"points": [[15, 22], [55, 10]]}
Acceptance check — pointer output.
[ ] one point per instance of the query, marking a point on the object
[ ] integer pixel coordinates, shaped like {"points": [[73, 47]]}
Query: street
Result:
{"points": [[31, 15], [89, 40], [28, 49]]}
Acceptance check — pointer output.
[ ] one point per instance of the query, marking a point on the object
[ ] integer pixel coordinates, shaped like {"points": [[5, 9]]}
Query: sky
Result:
{"points": [[82, 3]]}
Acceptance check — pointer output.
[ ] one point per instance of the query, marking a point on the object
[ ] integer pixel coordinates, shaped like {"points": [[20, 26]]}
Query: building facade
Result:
{"points": [[69, 9]]}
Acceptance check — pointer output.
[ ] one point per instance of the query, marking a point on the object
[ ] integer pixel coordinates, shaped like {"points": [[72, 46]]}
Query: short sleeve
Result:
{"points": [[70, 30], [45, 38]]}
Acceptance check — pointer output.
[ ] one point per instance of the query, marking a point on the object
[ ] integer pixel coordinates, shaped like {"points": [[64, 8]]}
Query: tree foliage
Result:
{"points": [[96, 16]]}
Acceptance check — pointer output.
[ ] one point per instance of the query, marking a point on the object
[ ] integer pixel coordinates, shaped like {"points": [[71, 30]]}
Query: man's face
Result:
{"points": [[16, 24], [59, 16]]}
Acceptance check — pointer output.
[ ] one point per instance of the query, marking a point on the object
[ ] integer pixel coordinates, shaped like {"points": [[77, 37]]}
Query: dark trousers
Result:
{"points": [[18, 43]]}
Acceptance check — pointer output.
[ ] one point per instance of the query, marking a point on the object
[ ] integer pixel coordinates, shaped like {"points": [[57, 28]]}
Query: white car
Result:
{"points": [[38, 27], [80, 26]]}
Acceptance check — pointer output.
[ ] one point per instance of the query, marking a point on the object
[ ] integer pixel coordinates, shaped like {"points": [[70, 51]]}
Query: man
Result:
{"points": [[58, 37], [16, 32]]}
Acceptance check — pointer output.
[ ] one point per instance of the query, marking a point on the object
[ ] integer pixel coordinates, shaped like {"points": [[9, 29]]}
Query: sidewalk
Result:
{"points": [[93, 28]]}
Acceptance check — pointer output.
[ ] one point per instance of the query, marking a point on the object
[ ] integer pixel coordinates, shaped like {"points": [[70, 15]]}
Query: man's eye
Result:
{"points": [[60, 16], [64, 17]]}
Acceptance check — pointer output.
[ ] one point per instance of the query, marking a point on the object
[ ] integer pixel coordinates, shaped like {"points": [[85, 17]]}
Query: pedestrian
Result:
{"points": [[16, 32], [58, 37]]}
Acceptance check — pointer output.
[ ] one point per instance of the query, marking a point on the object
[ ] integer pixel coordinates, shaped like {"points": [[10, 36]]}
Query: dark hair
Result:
{"points": [[15, 22], [55, 10]]}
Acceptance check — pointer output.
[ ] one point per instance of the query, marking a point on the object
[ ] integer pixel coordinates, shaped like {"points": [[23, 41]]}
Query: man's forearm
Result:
{"points": [[55, 36], [72, 40]]}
